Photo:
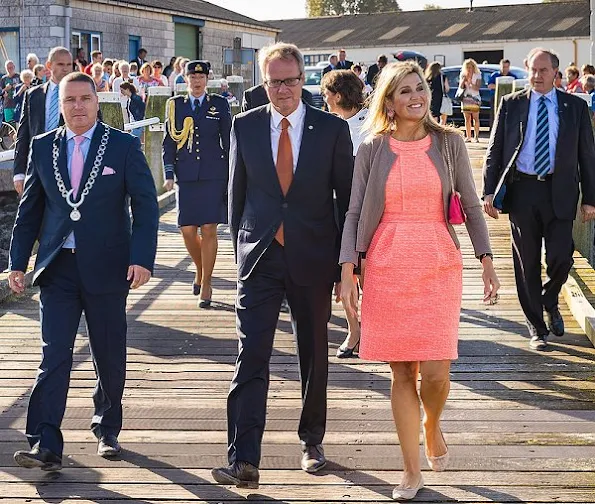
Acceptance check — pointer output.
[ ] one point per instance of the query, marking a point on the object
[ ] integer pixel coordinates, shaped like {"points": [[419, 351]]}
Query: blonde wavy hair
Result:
{"points": [[469, 63], [377, 121]]}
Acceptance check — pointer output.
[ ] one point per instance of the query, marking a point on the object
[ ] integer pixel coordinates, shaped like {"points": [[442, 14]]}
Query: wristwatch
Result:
{"points": [[481, 257]]}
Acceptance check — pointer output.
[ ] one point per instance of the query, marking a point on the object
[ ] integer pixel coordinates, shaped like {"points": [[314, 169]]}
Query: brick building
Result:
{"points": [[166, 28]]}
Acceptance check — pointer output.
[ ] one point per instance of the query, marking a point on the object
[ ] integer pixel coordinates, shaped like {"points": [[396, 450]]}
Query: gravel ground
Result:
{"points": [[8, 211]]}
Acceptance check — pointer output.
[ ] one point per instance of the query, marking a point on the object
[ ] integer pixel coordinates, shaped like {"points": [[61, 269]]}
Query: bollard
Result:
{"points": [[156, 100], [181, 89], [111, 110], [503, 87], [520, 84]]}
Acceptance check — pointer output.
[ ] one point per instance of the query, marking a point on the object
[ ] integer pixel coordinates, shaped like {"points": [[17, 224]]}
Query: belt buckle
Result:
{"points": [[541, 178]]}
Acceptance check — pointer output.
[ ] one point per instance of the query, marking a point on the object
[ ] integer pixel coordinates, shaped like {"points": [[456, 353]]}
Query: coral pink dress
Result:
{"points": [[413, 278]]}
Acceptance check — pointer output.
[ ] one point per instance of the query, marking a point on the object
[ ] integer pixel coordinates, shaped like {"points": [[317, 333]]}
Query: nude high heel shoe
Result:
{"points": [[438, 464]]}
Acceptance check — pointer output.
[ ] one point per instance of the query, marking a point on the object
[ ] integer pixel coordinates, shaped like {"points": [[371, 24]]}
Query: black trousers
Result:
{"points": [[257, 311], [532, 220], [62, 301]]}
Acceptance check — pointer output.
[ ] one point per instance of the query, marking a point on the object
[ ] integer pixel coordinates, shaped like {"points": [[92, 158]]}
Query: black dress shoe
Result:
{"points": [[555, 322], [313, 458], [38, 457], [196, 289], [108, 446], [240, 474], [346, 352]]}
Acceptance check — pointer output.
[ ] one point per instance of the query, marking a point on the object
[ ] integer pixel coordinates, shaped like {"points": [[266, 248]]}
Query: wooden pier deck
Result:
{"points": [[520, 425]]}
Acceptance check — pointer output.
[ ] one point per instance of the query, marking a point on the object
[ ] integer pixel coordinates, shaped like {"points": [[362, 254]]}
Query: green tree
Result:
{"points": [[317, 8]]}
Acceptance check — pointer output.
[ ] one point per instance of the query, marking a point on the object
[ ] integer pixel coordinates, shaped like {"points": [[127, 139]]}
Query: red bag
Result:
{"points": [[456, 213]]}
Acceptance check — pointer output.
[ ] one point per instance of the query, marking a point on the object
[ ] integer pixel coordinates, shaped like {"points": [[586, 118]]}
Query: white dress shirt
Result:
{"points": [[296, 130], [355, 128]]}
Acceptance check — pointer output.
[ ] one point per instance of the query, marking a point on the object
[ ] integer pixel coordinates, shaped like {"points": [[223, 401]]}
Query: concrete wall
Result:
{"points": [[515, 51]]}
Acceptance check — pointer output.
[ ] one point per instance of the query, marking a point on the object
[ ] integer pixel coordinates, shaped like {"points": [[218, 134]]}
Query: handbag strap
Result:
{"points": [[449, 163]]}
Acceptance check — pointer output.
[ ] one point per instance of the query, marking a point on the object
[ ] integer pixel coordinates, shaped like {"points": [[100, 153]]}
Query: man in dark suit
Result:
{"points": [[79, 180], [257, 97], [375, 69], [343, 63], [40, 112], [332, 64], [140, 59], [540, 151], [286, 159]]}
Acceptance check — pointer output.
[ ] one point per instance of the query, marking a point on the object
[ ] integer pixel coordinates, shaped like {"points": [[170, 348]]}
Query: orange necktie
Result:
{"points": [[284, 169]]}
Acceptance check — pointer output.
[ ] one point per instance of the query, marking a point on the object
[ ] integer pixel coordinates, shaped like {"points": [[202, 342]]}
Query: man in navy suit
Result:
{"points": [[41, 111], [286, 160], [79, 180]]}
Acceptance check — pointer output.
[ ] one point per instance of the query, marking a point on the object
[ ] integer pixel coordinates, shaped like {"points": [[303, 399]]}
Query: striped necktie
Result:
{"points": [[542, 140], [53, 118]]}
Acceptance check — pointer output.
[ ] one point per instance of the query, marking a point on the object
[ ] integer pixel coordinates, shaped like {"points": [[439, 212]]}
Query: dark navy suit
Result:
{"points": [[92, 280], [201, 170], [303, 269]]}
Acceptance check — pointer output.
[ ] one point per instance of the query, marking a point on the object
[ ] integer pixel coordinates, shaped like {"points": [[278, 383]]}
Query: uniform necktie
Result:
{"points": [[54, 113], [77, 164], [542, 140], [196, 104], [284, 168]]}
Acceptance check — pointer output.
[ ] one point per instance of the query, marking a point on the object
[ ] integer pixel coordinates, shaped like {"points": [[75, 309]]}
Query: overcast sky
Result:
{"points": [[275, 9]]}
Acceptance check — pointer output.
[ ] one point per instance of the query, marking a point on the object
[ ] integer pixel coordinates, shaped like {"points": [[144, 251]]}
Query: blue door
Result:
{"points": [[133, 46]]}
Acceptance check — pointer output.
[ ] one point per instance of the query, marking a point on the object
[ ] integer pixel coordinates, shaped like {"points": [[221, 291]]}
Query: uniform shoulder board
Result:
{"points": [[216, 96]]}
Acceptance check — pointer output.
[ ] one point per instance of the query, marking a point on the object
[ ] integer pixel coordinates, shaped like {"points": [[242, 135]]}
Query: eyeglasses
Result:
{"points": [[290, 82]]}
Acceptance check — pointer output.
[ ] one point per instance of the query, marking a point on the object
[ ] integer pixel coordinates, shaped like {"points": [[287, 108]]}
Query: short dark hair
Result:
{"points": [[382, 59], [78, 77], [348, 85], [356, 67], [157, 63], [107, 62], [141, 50], [504, 61], [129, 86]]}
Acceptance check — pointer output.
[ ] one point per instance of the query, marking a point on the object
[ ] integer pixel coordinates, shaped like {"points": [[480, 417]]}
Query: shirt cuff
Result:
{"points": [[18, 177], [169, 172]]}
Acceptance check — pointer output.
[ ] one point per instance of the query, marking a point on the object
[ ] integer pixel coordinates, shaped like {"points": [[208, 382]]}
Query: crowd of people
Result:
{"points": [[364, 200]]}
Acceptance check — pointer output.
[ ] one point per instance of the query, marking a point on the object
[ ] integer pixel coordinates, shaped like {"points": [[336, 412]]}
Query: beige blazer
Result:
{"points": [[372, 165]]}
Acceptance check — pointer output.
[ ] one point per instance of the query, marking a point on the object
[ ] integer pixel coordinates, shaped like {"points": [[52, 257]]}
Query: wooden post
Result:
{"points": [[156, 100], [111, 110]]}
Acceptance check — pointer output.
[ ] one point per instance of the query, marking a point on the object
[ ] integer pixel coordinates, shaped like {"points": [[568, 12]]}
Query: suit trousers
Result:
{"points": [[62, 301], [257, 311], [532, 220]]}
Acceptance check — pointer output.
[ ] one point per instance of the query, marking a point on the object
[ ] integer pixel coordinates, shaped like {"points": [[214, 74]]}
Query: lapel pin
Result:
{"points": [[310, 127]]}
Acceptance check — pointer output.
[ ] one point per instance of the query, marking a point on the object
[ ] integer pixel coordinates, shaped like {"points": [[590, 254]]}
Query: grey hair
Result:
{"points": [[280, 50], [553, 56], [6, 63], [33, 57], [27, 73]]}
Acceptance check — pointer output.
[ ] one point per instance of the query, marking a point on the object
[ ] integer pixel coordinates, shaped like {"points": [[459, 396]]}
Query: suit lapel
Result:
{"points": [[63, 158], [524, 100], [95, 141], [563, 119], [265, 127], [40, 105], [304, 163]]}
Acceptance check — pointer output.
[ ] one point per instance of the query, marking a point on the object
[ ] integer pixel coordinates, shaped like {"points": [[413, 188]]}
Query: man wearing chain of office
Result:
{"points": [[79, 181], [196, 150]]}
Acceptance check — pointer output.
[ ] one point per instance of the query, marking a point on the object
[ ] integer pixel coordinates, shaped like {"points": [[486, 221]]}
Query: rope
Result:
{"points": [[186, 134]]}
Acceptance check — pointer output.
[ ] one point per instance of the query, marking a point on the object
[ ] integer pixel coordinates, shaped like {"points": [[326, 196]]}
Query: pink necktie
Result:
{"points": [[77, 164]]}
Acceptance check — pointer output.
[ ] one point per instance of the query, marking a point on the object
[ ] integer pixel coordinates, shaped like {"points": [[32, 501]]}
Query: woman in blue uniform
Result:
{"points": [[196, 151]]}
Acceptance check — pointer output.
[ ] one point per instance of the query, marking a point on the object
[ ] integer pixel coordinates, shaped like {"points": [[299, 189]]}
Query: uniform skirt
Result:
{"points": [[202, 202]]}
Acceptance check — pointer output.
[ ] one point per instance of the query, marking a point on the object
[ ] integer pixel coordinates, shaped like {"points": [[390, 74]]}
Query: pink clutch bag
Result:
{"points": [[456, 213]]}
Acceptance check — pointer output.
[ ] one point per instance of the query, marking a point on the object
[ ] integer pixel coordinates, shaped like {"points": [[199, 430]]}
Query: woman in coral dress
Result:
{"points": [[398, 218]]}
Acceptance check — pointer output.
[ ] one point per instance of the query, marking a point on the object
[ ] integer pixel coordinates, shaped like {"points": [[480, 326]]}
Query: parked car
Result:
{"points": [[452, 74], [411, 55], [313, 76]]}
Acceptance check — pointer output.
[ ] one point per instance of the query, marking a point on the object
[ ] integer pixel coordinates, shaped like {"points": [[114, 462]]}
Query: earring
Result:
{"points": [[391, 114]]}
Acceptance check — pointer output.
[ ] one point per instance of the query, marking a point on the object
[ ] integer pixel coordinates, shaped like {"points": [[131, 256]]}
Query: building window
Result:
{"points": [[314, 59], [9, 46], [87, 41]]}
